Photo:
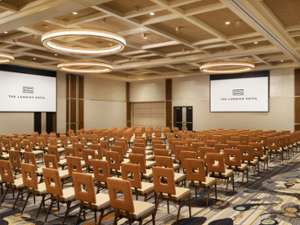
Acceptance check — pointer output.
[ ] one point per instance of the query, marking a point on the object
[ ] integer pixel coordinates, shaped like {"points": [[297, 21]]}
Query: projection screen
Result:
{"points": [[20, 92], [240, 93]]}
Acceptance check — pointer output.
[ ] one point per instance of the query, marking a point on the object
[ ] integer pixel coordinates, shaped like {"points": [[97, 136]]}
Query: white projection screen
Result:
{"points": [[240, 93], [20, 92]]}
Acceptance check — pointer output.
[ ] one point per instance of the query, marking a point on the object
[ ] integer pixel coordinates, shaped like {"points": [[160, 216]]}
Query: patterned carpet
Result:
{"points": [[272, 197]]}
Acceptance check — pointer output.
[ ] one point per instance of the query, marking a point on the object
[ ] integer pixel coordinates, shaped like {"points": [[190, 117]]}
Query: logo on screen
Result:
{"points": [[237, 92], [28, 90]]}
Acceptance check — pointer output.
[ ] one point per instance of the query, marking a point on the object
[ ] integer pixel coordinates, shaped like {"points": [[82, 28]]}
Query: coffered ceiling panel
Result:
{"points": [[165, 38]]}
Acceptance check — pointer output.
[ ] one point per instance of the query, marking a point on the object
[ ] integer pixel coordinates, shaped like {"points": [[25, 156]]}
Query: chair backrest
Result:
{"points": [[52, 149], [29, 157], [194, 169], [101, 170], [69, 151], [132, 173], [232, 157], [119, 201], [88, 155], [15, 159], [215, 162], [187, 155], [6, 172], [202, 151], [160, 152], [29, 176], [247, 153], [53, 182], [139, 150], [118, 149], [51, 161], [84, 187], [163, 179], [138, 159], [164, 161], [98, 149], [74, 164], [78, 148], [114, 160]]}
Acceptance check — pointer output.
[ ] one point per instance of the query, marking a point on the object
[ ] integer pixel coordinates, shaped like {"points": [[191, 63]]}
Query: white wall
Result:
{"points": [[104, 103], [147, 91], [16, 123], [194, 91]]}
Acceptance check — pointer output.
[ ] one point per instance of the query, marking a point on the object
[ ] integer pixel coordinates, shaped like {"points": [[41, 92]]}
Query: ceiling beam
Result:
{"points": [[263, 20], [195, 58], [46, 10]]}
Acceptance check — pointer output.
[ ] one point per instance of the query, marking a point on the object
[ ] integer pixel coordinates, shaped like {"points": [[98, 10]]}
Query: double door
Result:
{"points": [[183, 117]]}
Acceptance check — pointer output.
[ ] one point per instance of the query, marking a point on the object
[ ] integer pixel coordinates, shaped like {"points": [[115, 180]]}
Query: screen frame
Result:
{"points": [[30, 71], [240, 76]]}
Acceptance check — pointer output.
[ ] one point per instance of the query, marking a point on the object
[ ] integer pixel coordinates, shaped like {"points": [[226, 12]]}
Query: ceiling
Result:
{"points": [[165, 38]]}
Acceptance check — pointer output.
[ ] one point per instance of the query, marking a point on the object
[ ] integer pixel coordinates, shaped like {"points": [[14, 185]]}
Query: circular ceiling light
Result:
{"points": [[226, 67], [85, 67], [50, 40], [6, 58]]}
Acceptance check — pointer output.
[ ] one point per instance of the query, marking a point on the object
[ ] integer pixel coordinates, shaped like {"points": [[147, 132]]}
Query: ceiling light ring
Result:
{"points": [[48, 40], [6, 58], [212, 67], [71, 67]]}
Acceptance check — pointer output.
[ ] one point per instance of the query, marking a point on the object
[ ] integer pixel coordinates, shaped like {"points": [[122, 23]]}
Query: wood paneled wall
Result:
{"points": [[297, 99], [75, 102], [128, 105], [169, 103]]}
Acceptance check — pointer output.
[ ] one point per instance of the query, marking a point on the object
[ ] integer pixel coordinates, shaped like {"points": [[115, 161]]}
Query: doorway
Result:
{"points": [[183, 117]]}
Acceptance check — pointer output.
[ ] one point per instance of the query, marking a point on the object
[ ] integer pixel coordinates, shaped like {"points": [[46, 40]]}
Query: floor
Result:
{"points": [[272, 197]]}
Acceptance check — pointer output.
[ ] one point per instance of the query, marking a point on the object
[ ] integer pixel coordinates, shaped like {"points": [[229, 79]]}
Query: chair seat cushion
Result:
{"points": [[149, 164], [243, 166], [68, 194], [181, 193], [18, 182], [178, 177], [146, 188], [63, 174], [142, 209], [148, 174], [42, 188], [102, 201]]}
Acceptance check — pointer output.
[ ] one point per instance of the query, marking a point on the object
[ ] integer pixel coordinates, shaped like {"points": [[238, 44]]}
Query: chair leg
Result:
{"points": [[26, 201], [232, 179], [178, 213], [15, 203], [78, 219], [49, 209], [40, 207], [190, 207], [153, 218], [4, 195], [101, 217], [67, 212], [216, 192], [168, 206]]}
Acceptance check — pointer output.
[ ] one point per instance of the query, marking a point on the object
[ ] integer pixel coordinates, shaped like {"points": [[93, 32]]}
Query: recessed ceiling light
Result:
{"points": [[255, 42], [55, 54], [145, 36], [178, 28], [152, 13], [5, 32], [33, 58], [74, 13], [282, 60], [227, 23]]}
